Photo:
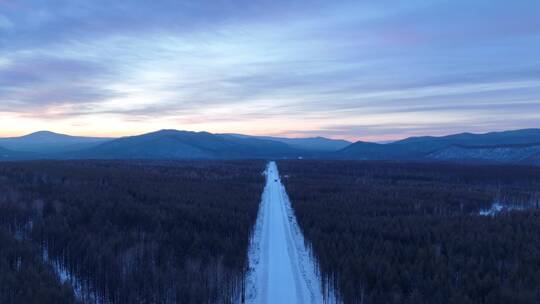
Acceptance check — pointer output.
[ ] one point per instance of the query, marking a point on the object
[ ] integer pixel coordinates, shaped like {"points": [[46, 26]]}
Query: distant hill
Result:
{"points": [[534, 159], [430, 143], [507, 146], [500, 153], [173, 144], [319, 144], [6, 154], [45, 142], [373, 151], [518, 146]]}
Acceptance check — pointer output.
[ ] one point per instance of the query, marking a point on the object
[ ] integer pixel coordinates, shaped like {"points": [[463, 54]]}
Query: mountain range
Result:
{"points": [[320, 144], [45, 142], [173, 144], [5, 153], [165, 144], [517, 146]]}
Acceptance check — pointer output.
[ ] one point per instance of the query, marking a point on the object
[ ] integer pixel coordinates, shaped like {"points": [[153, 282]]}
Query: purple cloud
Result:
{"points": [[233, 61]]}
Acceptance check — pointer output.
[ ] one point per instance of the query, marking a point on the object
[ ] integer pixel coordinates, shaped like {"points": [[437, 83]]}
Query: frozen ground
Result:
{"points": [[282, 269], [81, 291], [498, 207]]}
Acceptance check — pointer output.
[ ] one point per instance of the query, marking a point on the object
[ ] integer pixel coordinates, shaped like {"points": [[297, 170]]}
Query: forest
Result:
{"points": [[391, 232], [178, 231], [126, 231]]}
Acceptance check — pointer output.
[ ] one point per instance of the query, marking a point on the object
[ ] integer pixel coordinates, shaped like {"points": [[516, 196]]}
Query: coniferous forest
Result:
{"points": [[413, 233], [178, 231], [126, 232]]}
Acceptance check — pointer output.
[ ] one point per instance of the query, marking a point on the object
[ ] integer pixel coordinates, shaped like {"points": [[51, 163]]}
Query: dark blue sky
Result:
{"points": [[372, 70]]}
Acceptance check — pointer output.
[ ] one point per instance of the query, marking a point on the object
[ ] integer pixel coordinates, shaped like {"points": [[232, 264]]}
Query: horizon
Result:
{"points": [[354, 70], [263, 135]]}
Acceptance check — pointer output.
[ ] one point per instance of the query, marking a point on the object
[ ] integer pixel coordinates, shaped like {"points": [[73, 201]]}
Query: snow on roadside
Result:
{"points": [[282, 269], [255, 272], [307, 264]]}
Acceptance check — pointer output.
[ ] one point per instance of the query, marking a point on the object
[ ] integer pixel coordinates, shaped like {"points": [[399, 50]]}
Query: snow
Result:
{"points": [[81, 291], [498, 207], [281, 267], [494, 209]]}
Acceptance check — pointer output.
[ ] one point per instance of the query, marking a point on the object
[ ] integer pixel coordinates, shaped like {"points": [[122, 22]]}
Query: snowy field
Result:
{"points": [[282, 269]]}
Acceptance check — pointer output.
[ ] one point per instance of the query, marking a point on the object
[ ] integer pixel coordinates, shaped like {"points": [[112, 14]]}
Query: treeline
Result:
{"points": [[136, 232], [410, 232]]}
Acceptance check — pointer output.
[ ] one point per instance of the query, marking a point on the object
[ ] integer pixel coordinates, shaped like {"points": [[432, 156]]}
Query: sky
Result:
{"points": [[359, 70]]}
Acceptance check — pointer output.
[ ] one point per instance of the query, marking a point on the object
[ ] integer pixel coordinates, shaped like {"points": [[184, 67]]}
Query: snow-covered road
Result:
{"points": [[281, 268]]}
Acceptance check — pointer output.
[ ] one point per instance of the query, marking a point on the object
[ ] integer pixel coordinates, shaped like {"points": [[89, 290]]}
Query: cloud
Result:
{"points": [[36, 82], [314, 64], [39, 69], [396, 131], [5, 23]]}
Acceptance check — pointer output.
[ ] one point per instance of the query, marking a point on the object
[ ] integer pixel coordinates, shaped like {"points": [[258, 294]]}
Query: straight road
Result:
{"points": [[281, 267]]}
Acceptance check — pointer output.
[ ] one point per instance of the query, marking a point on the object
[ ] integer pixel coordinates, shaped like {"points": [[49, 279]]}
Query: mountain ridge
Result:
{"points": [[46, 142], [174, 144], [515, 146], [455, 147], [316, 143]]}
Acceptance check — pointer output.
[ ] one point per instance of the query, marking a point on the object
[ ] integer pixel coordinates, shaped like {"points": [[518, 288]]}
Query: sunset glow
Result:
{"points": [[370, 70]]}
